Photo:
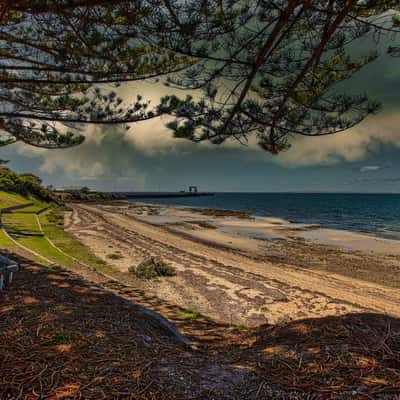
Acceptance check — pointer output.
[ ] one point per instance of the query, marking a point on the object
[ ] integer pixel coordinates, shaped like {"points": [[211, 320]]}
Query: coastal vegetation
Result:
{"points": [[87, 196], [32, 221], [152, 268], [9, 199], [42, 237], [19, 189]]}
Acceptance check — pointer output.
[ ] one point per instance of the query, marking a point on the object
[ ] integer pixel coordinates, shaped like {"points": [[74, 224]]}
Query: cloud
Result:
{"points": [[370, 168], [96, 158], [103, 157], [153, 138], [362, 180], [77, 161], [76, 166], [353, 145], [108, 151], [392, 180]]}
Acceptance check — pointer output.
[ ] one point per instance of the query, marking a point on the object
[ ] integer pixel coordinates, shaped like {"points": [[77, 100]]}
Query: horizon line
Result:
{"points": [[247, 192]]}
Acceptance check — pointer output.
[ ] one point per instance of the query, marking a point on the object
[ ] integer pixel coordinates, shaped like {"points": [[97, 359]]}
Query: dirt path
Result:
{"points": [[223, 284]]}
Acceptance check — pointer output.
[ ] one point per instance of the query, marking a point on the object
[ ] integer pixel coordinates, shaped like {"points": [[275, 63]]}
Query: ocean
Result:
{"points": [[377, 214]]}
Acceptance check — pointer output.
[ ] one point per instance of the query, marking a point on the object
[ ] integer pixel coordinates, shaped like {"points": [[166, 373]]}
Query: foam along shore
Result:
{"points": [[239, 229]]}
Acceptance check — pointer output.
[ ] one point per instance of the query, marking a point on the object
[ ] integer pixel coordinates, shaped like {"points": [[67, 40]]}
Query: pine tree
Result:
{"points": [[267, 68], [58, 60], [279, 74]]}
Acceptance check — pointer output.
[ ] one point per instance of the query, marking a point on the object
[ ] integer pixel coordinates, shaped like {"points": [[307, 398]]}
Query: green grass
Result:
{"points": [[190, 314], [61, 339], [35, 208], [21, 224], [24, 228], [6, 243], [8, 199], [42, 246], [52, 224]]}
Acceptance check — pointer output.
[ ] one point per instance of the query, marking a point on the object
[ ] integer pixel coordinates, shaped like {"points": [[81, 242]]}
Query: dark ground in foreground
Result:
{"points": [[63, 337]]}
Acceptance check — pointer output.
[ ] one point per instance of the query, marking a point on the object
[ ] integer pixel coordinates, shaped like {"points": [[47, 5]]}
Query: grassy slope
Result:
{"points": [[52, 221], [35, 208], [25, 230], [8, 199], [6, 242], [12, 199], [23, 226]]}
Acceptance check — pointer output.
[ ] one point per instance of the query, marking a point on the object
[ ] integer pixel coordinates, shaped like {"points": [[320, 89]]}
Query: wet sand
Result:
{"points": [[241, 270]]}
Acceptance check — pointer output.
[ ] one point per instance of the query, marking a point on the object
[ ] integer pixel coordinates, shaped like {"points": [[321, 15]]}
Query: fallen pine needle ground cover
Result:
{"points": [[63, 337]]}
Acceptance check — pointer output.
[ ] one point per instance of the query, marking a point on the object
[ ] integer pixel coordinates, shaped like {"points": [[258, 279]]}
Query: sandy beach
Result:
{"points": [[242, 270]]}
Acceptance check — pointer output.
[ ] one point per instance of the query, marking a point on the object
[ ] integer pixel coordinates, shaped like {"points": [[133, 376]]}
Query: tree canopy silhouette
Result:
{"points": [[268, 68], [280, 74], [58, 60]]}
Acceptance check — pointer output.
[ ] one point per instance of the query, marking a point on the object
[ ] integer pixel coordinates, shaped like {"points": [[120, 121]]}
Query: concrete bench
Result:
{"points": [[7, 269]]}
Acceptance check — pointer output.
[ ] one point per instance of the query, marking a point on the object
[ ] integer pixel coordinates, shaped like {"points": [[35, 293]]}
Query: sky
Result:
{"points": [[146, 158]]}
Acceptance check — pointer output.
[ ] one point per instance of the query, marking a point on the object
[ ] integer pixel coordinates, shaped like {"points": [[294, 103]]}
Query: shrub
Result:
{"points": [[152, 268]]}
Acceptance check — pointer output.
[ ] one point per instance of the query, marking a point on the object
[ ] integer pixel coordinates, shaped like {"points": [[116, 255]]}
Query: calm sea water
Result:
{"points": [[378, 214]]}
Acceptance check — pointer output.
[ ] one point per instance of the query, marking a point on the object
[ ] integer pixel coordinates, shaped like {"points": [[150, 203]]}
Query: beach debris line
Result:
{"points": [[152, 268]]}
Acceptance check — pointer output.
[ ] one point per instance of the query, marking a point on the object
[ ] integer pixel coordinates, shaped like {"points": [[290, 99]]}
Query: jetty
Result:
{"points": [[154, 195]]}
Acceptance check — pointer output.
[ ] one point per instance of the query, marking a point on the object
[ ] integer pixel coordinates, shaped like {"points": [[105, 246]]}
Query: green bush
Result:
{"points": [[152, 268]]}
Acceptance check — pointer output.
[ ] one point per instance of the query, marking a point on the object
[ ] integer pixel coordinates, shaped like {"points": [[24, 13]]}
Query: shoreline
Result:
{"points": [[232, 278], [392, 235], [312, 232]]}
